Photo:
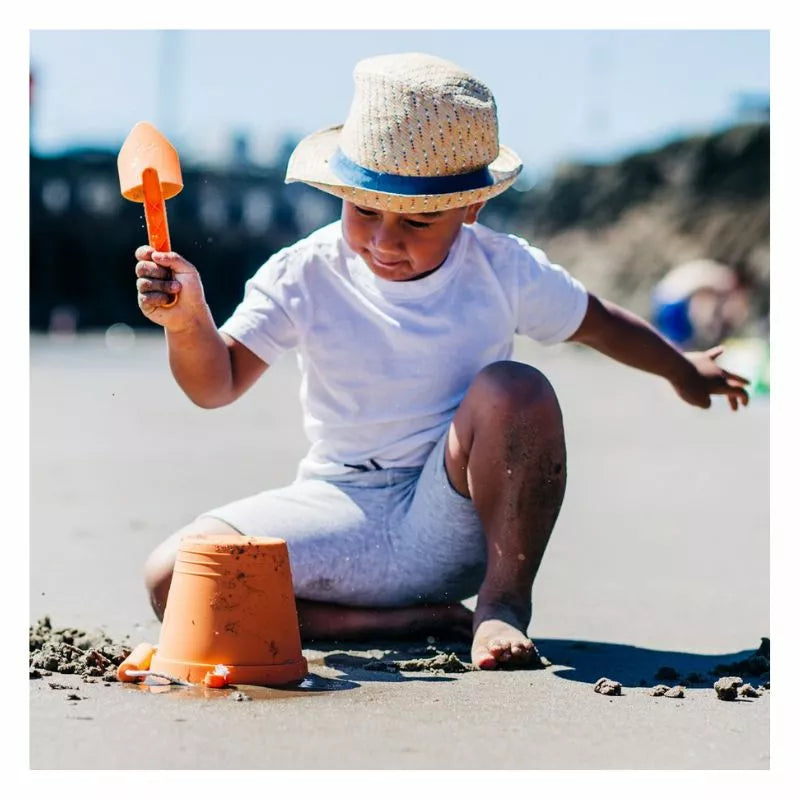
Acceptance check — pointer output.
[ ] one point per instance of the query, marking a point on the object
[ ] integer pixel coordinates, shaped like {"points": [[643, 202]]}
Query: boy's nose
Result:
{"points": [[387, 238]]}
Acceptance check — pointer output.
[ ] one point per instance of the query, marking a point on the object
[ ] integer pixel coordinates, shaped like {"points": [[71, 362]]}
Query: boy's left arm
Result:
{"points": [[627, 338]]}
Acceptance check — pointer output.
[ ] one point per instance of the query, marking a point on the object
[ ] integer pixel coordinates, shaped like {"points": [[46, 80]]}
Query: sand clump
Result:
{"points": [[70, 651], [726, 688], [756, 664], [666, 691], [607, 686], [442, 662], [439, 664], [731, 685]]}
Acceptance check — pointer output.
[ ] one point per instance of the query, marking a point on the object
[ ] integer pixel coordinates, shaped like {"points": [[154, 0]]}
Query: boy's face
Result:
{"points": [[403, 247]]}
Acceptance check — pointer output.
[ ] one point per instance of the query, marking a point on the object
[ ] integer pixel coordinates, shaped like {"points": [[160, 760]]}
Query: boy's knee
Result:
{"points": [[161, 562], [511, 413], [509, 389], [158, 572]]}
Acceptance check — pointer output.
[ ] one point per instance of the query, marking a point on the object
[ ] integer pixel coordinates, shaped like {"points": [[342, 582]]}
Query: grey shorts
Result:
{"points": [[387, 537]]}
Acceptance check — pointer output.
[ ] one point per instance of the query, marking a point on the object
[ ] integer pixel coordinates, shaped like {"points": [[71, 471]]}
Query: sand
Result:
{"points": [[72, 651], [727, 687], [634, 581], [608, 687]]}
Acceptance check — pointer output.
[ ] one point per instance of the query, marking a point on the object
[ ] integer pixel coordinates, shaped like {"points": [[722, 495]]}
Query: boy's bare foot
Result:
{"points": [[499, 639], [496, 643]]}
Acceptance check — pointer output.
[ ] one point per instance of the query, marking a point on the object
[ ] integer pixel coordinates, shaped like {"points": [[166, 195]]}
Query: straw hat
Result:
{"points": [[421, 135]]}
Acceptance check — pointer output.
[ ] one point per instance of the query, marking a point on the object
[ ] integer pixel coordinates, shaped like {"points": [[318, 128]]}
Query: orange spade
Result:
{"points": [[139, 659], [150, 173]]}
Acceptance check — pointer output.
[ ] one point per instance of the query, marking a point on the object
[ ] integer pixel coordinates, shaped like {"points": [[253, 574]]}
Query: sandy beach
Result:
{"points": [[660, 558]]}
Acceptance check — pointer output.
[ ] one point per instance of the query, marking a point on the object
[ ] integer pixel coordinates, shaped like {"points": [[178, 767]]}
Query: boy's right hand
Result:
{"points": [[162, 276]]}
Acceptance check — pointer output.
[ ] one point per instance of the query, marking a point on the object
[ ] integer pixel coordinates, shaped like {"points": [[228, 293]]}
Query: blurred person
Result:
{"points": [[699, 303], [437, 465]]}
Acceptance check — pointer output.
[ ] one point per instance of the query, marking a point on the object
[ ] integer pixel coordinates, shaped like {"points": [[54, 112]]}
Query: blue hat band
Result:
{"points": [[362, 178]]}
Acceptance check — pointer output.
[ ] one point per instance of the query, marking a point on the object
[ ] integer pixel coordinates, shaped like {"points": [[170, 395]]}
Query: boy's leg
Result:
{"points": [[317, 620], [160, 563], [506, 451], [328, 621]]}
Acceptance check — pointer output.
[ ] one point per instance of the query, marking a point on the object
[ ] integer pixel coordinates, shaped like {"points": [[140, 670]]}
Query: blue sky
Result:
{"points": [[561, 93]]}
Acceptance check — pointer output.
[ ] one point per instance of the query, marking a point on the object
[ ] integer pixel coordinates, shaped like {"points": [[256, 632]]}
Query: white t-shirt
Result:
{"points": [[385, 364]]}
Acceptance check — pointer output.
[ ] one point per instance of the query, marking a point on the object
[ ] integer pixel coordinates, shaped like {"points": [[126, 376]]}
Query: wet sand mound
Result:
{"points": [[438, 664], [70, 651], [607, 686]]}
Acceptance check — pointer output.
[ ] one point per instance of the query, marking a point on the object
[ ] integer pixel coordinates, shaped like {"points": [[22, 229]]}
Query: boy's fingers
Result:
{"points": [[736, 395], [738, 383], [148, 285], [147, 269], [153, 300], [724, 384], [726, 387], [172, 261], [740, 392], [738, 379], [144, 252]]}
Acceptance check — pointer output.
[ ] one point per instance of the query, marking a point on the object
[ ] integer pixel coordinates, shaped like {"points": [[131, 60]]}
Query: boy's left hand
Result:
{"points": [[705, 377]]}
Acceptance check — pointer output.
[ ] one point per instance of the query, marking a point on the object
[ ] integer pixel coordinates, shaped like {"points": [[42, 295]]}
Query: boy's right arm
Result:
{"points": [[212, 368]]}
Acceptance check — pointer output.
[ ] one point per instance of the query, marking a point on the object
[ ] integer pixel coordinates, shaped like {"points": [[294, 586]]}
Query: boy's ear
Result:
{"points": [[473, 211]]}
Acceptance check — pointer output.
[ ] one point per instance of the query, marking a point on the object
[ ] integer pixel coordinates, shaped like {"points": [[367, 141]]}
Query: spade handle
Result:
{"points": [[155, 215]]}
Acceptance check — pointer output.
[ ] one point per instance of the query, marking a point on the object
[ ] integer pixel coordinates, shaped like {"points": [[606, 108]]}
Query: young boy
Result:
{"points": [[437, 465]]}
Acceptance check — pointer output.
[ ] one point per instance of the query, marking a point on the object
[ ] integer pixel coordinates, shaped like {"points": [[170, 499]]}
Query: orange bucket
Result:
{"points": [[231, 602]]}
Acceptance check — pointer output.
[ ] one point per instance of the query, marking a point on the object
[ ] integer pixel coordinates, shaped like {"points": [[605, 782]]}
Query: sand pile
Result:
{"points": [[731, 686], [755, 665], [439, 664], [607, 686], [71, 651], [666, 691]]}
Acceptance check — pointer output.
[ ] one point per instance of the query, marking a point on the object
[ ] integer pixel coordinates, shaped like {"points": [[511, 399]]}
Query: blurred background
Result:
{"points": [[645, 152]]}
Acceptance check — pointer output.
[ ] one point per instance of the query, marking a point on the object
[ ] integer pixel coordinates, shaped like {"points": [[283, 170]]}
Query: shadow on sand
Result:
{"points": [[637, 666], [573, 660], [367, 668]]}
